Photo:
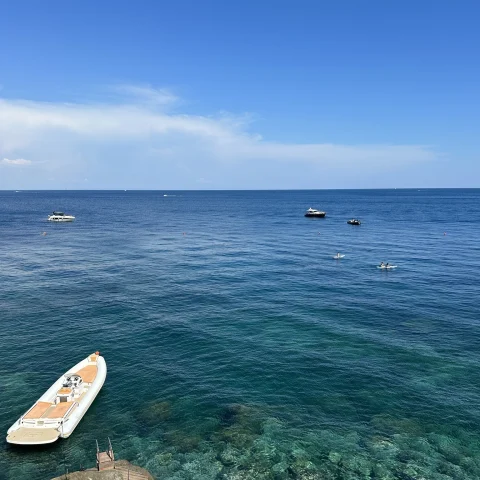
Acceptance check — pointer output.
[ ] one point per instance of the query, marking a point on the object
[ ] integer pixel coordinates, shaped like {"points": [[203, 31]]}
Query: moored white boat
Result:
{"points": [[60, 217], [311, 212], [59, 410]]}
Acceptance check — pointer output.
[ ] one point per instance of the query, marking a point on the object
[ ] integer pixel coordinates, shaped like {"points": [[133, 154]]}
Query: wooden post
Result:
{"points": [[110, 452], [98, 455]]}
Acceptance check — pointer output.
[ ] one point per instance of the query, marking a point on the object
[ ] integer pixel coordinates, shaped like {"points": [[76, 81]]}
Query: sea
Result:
{"points": [[237, 347]]}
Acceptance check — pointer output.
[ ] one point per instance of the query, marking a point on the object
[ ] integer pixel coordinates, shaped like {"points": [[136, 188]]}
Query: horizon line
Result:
{"points": [[226, 190]]}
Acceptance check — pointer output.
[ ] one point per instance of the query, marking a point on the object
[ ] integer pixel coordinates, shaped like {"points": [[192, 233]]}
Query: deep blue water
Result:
{"points": [[237, 347]]}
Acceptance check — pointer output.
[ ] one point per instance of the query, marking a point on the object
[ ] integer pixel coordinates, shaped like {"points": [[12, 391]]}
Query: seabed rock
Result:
{"points": [[302, 468], [244, 415], [334, 457], [164, 459], [182, 442], [358, 465], [390, 425], [254, 472], [263, 449], [229, 456], [237, 436], [202, 467], [156, 413], [382, 473]]}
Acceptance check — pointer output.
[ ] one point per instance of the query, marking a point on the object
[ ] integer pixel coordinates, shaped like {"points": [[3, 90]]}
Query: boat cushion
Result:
{"points": [[60, 410], [38, 410], [88, 373]]}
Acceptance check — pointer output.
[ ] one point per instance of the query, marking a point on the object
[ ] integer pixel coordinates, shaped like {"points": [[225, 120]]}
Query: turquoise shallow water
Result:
{"points": [[237, 347]]}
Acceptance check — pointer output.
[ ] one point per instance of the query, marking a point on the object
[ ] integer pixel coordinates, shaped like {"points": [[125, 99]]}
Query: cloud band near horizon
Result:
{"points": [[141, 136]]}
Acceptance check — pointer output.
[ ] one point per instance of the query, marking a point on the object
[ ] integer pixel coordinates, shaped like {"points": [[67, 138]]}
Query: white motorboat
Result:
{"points": [[60, 217], [311, 212], [59, 410]]}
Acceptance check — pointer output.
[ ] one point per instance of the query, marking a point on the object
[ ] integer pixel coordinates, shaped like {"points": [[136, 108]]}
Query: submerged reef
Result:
{"points": [[243, 442]]}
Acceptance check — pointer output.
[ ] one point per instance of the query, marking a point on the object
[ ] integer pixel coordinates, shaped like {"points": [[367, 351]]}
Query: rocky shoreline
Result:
{"points": [[123, 470]]}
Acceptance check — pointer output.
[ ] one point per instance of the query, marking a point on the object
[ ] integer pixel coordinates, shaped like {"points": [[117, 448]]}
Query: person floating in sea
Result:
{"points": [[382, 264]]}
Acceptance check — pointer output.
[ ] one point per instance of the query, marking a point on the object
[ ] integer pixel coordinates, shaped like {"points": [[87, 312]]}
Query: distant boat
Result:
{"points": [[60, 217], [311, 212], [354, 221], [386, 267], [338, 256], [59, 410]]}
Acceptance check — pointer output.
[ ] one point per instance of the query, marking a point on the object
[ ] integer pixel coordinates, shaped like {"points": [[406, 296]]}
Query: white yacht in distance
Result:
{"points": [[60, 217], [311, 212], [59, 410]]}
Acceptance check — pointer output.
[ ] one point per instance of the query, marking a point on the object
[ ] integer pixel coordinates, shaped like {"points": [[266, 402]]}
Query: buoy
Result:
{"points": [[444, 233]]}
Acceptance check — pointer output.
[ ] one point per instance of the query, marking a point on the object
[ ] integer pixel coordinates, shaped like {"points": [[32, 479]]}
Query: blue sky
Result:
{"points": [[230, 94]]}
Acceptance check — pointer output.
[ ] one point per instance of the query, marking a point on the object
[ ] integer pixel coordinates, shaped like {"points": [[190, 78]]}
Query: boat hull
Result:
{"points": [[21, 434], [61, 220], [315, 215]]}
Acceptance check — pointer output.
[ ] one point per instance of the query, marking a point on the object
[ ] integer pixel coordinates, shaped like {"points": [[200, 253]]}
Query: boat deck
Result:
{"points": [[88, 373], [33, 436], [38, 410], [58, 411], [48, 410]]}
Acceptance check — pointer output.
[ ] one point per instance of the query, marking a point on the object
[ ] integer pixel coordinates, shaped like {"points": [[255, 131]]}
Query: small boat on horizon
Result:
{"points": [[60, 217], [354, 221], [59, 410], [311, 212]]}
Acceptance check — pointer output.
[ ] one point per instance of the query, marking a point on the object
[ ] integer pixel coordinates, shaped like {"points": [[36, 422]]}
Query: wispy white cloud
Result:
{"points": [[16, 161], [147, 94], [133, 135]]}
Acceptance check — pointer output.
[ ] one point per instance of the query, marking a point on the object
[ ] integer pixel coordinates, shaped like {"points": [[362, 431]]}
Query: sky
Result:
{"points": [[251, 94]]}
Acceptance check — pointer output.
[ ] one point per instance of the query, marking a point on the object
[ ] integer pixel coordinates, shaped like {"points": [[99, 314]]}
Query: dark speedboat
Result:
{"points": [[354, 221], [314, 213]]}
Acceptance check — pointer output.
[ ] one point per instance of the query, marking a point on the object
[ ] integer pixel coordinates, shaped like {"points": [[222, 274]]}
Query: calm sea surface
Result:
{"points": [[237, 347]]}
